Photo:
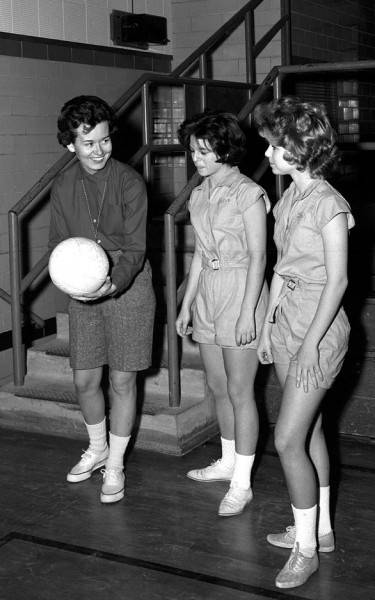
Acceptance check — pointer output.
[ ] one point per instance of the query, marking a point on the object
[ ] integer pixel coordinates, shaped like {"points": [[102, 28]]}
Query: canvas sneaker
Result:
{"points": [[235, 501], [88, 463], [297, 570], [113, 488], [326, 543], [215, 472]]}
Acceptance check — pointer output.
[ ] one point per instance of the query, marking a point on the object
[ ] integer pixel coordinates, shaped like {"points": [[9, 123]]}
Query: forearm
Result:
{"points": [[192, 285], [254, 283]]}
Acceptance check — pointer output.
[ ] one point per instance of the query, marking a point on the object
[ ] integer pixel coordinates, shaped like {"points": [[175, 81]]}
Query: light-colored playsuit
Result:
{"points": [[299, 242], [217, 218]]}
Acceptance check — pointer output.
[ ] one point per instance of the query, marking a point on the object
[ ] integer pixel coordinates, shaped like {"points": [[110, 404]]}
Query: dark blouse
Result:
{"points": [[122, 223]]}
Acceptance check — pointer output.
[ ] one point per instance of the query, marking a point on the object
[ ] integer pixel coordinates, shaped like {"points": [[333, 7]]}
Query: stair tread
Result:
{"points": [[50, 391]]}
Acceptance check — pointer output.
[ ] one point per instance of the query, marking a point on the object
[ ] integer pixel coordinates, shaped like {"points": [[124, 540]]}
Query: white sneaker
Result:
{"points": [[215, 472], [235, 501], [113, 488], [88, 463], [297, 569], [286, 539]]}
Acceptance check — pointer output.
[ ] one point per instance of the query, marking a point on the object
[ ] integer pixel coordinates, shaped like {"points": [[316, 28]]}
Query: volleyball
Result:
{"points": [[78, 266]]}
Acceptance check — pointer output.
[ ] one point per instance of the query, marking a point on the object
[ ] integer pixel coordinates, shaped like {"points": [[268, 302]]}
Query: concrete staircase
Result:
{"points": [[47, 403]]}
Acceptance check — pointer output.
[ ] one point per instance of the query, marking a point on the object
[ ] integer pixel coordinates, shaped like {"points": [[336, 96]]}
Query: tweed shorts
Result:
{"points": [[117, 332], [294, 313]]}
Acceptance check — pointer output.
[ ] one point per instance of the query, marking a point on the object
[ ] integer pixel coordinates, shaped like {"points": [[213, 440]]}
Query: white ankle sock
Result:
{"points": [[228, 456], [305, 522], [242, 470], [324, 526], [98, 436], [117, 447]]}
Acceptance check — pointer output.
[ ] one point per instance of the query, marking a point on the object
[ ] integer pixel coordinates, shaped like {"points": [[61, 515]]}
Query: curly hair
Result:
{"points": [[303, 129], [89, 110], [221, 130]]}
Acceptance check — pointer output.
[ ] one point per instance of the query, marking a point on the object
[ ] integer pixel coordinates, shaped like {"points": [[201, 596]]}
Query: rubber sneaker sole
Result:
{"points": [[191, 475], [111, 498]]}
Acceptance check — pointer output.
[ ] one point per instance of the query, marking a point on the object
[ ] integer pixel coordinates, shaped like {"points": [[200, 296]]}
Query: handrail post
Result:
{"points": [[171, 273], [15, 289], [146, 124], [249, 44], [279, 178], [203, 66]]}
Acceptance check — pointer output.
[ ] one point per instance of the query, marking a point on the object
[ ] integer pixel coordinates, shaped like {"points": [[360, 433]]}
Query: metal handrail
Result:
{"points": [[140, 87]]}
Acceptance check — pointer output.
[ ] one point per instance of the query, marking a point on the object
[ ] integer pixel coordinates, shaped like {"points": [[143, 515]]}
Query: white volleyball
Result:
{"points": [[78, 266]]}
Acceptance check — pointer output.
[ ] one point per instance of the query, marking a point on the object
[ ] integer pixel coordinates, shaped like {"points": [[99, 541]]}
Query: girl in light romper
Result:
{"points": [[226, 294], [305, 333]]}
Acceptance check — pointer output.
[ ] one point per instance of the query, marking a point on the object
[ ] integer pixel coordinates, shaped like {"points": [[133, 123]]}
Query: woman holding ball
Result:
{"points": [[101, 199]]}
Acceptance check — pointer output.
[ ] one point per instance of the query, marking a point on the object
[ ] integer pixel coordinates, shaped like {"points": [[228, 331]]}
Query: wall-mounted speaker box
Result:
{"points": [[137, 29]]}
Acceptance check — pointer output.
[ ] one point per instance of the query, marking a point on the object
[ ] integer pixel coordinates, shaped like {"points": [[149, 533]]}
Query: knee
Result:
{"points": [[84, 383], [239, 394], [122, 384], [284, 443]]}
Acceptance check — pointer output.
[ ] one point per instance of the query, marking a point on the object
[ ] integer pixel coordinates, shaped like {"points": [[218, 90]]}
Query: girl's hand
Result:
{"points": [[245, 330], [106, 289], [264, 349], [182, 323], [308, 366]]}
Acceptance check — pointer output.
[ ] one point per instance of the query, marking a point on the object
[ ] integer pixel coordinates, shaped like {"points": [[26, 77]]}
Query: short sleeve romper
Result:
{"points": [[217, 220], [299, 221]]}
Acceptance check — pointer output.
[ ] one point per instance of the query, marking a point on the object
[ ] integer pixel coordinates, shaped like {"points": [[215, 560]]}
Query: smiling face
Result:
{"points": [[204, 158], [92, 148]]}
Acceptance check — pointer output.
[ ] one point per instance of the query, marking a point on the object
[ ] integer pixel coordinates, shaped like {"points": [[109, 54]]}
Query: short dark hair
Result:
{"points": [[303, 129], [89, 110], [221, 130]]}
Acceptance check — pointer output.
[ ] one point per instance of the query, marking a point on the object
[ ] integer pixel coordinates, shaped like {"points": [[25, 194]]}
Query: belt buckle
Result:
{"points": [[215, 264], [291, 284]]}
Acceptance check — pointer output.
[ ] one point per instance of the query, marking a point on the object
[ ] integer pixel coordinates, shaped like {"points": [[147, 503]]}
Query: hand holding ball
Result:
{"points": [[78, 266]]}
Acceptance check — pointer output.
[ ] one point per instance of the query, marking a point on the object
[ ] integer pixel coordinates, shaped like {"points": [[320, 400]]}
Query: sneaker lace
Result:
{"points": [[86, 456], [112, 474]]}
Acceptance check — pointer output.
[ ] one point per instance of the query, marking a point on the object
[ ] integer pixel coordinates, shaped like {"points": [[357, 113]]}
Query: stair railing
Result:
{"points": [[139, 88]]}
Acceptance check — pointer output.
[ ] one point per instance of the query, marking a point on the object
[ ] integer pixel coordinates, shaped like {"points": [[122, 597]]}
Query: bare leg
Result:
{"points": [[89, 394], [297, 412], [241, 367], [317, 444], [123, 402], [213, 362]]}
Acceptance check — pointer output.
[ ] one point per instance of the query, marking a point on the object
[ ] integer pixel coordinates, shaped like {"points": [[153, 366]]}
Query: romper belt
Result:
{"points": [[216, 264], [289, 285]]}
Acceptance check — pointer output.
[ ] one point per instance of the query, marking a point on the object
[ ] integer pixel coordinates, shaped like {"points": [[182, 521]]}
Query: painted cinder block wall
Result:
{"points": [[194, 21]]}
